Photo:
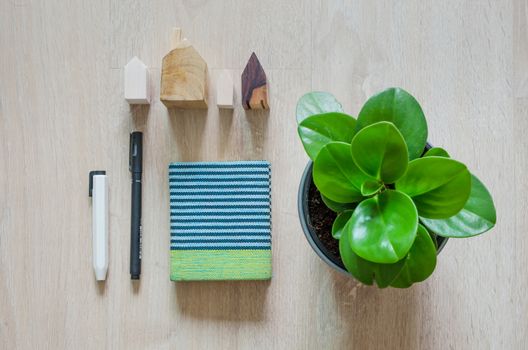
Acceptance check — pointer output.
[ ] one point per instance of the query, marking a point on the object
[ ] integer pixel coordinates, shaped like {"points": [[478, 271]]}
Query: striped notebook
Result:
{"points": [[220, 220]]}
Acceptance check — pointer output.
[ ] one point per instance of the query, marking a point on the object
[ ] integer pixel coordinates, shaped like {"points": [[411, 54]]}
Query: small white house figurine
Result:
{"points": [[224, 90], [137, 84]]}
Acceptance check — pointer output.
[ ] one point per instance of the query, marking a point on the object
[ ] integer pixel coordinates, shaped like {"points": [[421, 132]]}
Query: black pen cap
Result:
{"points": [[136, 152], [90, 180]]}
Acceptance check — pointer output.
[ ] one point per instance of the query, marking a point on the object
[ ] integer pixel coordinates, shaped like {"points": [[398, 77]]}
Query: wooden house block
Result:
{"points": [[224, 90], [183, 76], [254, 85], [137, 84]]}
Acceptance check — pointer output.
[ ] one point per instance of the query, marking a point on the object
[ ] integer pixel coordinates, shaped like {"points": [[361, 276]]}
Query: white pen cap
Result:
{"points": [[99, 194]]}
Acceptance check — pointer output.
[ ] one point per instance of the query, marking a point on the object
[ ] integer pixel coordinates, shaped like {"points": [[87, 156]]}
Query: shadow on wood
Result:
{"points": [[139, 115], [367, 312], [258, 121], [188, 128], [223, 300], [101, 287], [136, 285], [226, 134]]}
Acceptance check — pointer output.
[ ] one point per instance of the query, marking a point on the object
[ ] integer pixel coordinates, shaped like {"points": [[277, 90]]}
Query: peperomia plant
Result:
{"points": [[391, 194]]}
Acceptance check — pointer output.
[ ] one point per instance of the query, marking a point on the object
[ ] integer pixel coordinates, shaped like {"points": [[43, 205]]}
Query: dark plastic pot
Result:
{"points": [[311, 236]]}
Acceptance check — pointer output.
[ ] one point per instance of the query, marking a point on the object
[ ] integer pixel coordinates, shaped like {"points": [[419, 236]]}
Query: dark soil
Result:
{"points": [[321, 220]]}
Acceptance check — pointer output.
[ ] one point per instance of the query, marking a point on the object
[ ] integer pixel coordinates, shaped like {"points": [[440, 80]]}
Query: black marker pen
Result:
{"points": [[136, 167]]}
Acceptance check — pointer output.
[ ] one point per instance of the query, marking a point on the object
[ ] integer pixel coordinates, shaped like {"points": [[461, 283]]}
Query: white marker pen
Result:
{"points": [[99, 192]]}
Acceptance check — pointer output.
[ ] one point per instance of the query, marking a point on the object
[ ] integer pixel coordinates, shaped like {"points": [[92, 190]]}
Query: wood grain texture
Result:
{"points": [[183, 76], [254, 85], [466, 62]]}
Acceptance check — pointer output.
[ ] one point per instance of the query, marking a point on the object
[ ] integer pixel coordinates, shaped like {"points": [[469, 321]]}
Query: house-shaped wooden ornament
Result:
{"points": [[183, 76], [137, 84], [225, 91], [254, 85]]}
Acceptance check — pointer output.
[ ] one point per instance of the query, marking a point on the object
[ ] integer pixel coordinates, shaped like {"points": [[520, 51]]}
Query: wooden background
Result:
{"points": [[62, 113]]}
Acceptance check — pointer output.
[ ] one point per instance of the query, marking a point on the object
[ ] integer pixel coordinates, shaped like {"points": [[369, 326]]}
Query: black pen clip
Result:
{"points": [[135, 156], [130, 150]]}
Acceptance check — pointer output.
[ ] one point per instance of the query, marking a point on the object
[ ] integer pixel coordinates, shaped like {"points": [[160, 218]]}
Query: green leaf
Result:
{"points": [[397, 106], [370, 188], [433, 237], [336, 175], [383, 227], [380, 151], [419, 263], [318, 130], [316, 103], [337, 207], [438, 186], [365, 271], [477, 216], [340, 222], [436, 152]]}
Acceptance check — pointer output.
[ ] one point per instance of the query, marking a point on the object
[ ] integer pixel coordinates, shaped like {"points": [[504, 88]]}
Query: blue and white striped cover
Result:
{"points": [[220, 206]]}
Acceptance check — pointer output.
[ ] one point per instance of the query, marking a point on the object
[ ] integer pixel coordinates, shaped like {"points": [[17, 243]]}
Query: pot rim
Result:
{"points": [[304, 217]]}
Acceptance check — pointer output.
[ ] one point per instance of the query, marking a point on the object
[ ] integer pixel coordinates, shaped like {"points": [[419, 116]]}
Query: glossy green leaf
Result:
{"points": [[419, 263], [477, 216], [380, 151], [335, 174], [397, 106], [340, 223], [436, 152], [318, 130], [337, 207], [365, 271], [370, 188], [383, 227], [316, 103], [438, 186]]}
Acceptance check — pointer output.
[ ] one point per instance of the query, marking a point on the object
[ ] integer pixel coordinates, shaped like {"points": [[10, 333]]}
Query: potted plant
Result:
{"points": [[377, 201]]}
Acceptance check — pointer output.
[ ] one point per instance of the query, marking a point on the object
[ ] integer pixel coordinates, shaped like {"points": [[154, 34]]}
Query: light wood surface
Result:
{"points": [[62, 113]]}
